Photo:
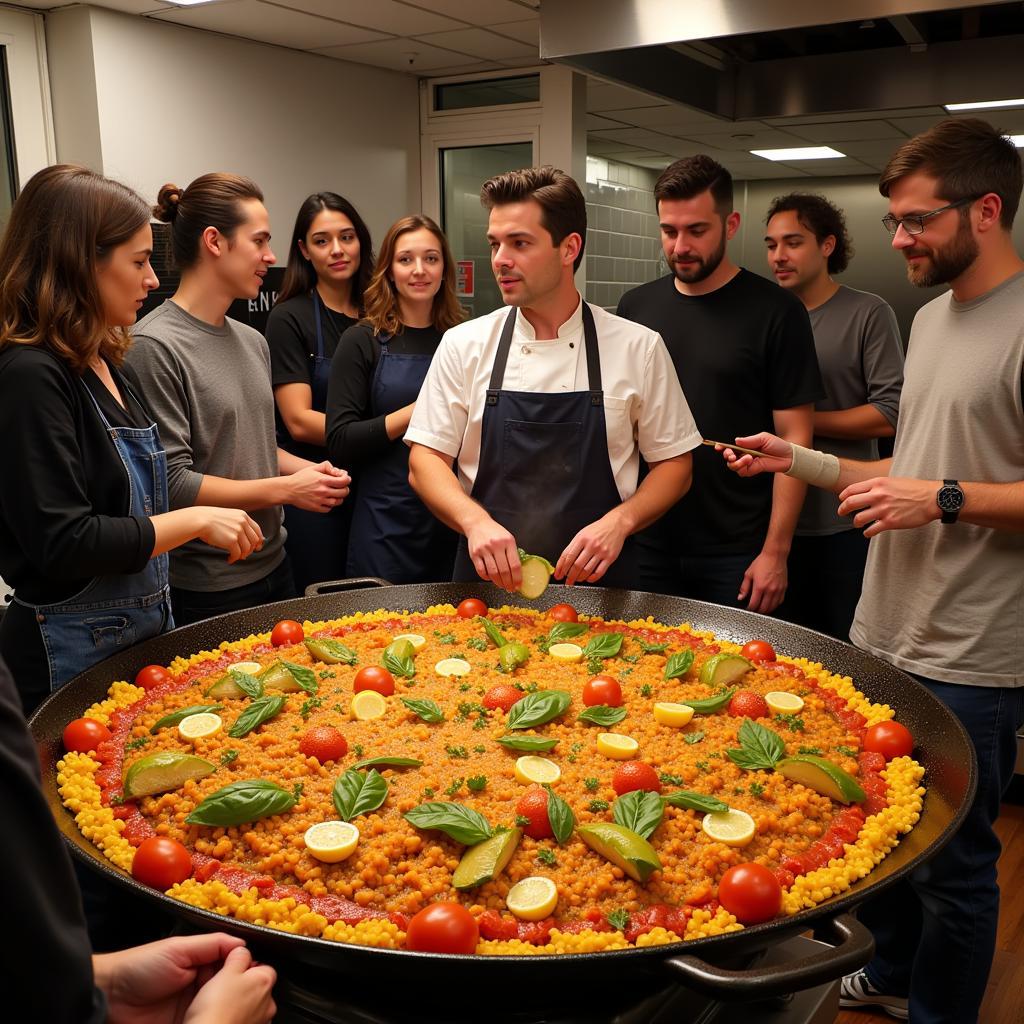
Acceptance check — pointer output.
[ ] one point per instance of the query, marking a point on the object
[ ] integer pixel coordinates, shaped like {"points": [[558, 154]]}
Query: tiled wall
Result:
{"points": [[623, 245]]}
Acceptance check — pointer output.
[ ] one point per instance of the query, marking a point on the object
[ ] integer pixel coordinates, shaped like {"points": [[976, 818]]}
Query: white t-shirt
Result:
{"points": [[644, 407]]}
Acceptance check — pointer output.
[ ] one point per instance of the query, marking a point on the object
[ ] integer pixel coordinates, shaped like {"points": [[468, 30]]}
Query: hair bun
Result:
{"points": [[167, 201]]}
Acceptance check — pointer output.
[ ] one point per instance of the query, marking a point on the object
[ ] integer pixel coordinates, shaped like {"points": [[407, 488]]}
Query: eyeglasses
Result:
{"points": [[913, 223]]}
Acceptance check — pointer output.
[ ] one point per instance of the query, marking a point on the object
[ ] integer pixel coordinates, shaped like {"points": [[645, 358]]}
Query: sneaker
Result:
{"points": [[857, 993]]}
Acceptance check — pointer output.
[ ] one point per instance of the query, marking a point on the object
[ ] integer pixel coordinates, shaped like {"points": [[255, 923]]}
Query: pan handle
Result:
{"points": [[853, 949], [339, 586]]}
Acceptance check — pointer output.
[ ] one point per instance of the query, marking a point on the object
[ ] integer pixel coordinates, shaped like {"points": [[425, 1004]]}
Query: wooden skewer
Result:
{"points": [[735, 448]]}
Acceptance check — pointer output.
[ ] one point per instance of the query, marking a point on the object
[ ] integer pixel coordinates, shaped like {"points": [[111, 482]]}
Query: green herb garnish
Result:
{"points": [[427, 709], [358, 793], [760, 748]]}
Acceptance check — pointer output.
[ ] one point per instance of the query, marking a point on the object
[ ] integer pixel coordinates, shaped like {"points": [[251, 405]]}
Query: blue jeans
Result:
{"points": [[935, 933]]}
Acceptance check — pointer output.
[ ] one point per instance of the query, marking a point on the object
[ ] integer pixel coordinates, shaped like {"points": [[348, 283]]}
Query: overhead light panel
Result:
{"points": [[800, 153], [1017, 140], [984, 105], [189, 3]]}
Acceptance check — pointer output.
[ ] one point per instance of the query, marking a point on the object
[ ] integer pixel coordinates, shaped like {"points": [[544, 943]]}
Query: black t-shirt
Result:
{"points": [[291, 336], [740, 351], [354, 434]]}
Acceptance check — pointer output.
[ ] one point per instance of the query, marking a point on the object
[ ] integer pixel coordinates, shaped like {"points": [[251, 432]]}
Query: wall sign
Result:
{"points": [[464, 278]]}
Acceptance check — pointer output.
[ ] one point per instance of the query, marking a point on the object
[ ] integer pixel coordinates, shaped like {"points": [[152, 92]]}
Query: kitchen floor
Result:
{"points": [[1004, 998]]}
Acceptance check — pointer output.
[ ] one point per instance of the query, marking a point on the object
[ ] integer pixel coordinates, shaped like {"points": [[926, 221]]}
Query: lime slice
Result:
{"points": [[675, 715], [732, 827], [531, 768], [623, 847], [367, 705], [250, 668], [782, 703], [486, 860], [401, 648], [415, 639], [566, 652], [823, 776], [533, 898], [536, 574], [199, 726], [162, 772], [331, 841], [452, 667], [724, 669], [616, 746]]}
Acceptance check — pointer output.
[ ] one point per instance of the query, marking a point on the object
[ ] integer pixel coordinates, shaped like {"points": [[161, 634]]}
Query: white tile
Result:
{"points": [[128, 6], [479, 42], [745, 139], [524, 31], [387, 16], [409, 55], [477, 12], [845, 131], [595, 122], [666, 116], [856, 115], [601, 96]]}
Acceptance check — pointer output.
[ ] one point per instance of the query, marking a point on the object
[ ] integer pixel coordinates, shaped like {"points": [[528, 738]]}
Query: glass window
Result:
{"points": [[8, 167], [487, 92]]}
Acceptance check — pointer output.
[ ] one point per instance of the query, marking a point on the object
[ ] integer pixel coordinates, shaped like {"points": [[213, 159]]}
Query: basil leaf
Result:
{"points": [[710, 704], [427, 709], [760, 748], [537, 708], [258, 712], [388, 762], [358, 793], [303, 676], [330, 651], [399, 666], [462, 824], [602, 714], [651, 648], [641, 812], [560, 815], [693, 737], [603, 645], [241, 802], [249, 685], [492, 631], [562, 631], [678, 664], [176, 716], [528, 743], [695, 801]]}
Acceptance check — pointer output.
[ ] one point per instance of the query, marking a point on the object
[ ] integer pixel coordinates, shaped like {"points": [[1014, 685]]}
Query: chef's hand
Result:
{"points": [[494, 554], [765, 581], [201, 979], [230, 529], [777, 457], [890, 503], [588, 556], [318, 488]]}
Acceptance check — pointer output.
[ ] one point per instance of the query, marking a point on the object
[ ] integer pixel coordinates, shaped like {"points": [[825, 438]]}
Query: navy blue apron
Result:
{"points": [[545, 471], [394, 535], [114, 612]]}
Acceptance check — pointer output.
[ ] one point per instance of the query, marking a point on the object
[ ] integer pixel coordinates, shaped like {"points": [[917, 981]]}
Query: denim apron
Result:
{"points": [[545, 471], [114, 612], [394, 535]]}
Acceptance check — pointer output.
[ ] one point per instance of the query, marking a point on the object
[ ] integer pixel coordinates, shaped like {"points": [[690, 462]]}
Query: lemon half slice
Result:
{"points": [[732, 827], [200, 725], [616, 746], [331, 841], [781, 702], [533, 898], [453, 667], [566, 652], [415, 639], [531, 768], [251, 668], [676, 715], [368, 704]]}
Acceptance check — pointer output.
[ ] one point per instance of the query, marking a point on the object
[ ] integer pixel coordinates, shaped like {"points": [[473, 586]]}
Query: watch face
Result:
{"points": [[950, 498]]}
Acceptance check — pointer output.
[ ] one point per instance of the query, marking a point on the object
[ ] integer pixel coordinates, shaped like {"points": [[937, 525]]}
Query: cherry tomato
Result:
{"points": [[603, 690], [84, 734], [503, 696], [890, 739], [470, 609], [151, 675], [758, 651], [633, 775], [161, 862], [751, 893], [747, 704], [373, 677], [323, 742], [533, 804], [286, 632], [563, 613], [443, 928]]}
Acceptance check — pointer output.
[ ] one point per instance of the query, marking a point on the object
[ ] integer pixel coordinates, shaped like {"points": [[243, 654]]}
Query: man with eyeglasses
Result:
{"points": [[944, 588]]}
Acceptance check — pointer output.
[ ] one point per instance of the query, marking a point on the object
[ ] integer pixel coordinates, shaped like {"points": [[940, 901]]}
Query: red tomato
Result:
{"points": [[84, 734], [890, 739], [533, 804], [751, 893], [470, 609], [747, 704], [503, 697], [563, 613], [323, 742], [443, 928], [151, 675], [758, 651], [160, 862], [603, 690], [632, 775], [373, 677], [286, 632]]}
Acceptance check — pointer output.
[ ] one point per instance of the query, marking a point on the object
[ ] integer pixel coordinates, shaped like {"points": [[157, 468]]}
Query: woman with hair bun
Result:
{"points": [[208, 378], [330, 261], [375, 379]]}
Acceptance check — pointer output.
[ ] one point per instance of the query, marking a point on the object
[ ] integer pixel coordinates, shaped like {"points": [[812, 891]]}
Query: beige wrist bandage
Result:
{"points": [[819, 469]]}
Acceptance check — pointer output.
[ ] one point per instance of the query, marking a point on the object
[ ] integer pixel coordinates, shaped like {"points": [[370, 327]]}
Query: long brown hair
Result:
{"points": [[65, 223], [382, 310]]}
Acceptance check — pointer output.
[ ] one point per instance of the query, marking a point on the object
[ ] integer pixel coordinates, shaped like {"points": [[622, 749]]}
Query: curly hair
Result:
{"points": [[822, 219]]}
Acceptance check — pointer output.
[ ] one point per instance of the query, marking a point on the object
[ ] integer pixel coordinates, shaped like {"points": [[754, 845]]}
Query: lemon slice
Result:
{"points": [[531, 768], [199, 726], [616, 746], [331, 841], [452, 667], [782, 703], [732, 827], [676, 715], [566, 652], [533, 898], [415, 639], [251, 668], [368, 704]]}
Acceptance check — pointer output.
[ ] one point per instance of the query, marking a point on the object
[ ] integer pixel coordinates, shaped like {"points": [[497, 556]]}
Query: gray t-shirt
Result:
{"points": [[947, 602], [209, 389], [857, 340]]}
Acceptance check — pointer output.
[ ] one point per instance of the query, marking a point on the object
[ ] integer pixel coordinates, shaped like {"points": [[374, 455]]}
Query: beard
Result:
{"points": [[946, 264], [699, 269]]}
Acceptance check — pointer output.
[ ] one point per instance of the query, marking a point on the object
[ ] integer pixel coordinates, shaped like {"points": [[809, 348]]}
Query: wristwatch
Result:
{"points": [[950, 499]]}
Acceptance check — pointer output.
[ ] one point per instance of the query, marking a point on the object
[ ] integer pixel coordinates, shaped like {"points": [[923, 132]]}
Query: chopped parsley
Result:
{"points": [[455, 786], [444, 638], [480, 749], [795, 724], [645, 690], [546, 856], [457, 753], [308, 705], [522, 819], [849, 752], [464, 687], [478, 643], [702, 766], [227, 757], [618, 919], [816, 751], [476, 782], [591, 784], [297, 790], [428, 791], [327, 674], [358, 750], [597, 805], [137, 743], [756, 789]]}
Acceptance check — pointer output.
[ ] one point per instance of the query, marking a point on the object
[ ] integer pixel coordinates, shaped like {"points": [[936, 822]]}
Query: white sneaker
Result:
{"points": [[857, 993]]}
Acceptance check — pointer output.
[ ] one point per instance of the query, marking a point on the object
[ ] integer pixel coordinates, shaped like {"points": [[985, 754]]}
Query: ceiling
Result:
{"points": [[637, 126]]}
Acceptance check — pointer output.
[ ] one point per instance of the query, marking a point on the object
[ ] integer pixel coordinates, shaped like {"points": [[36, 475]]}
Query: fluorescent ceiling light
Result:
{"points": [[1017, 140], [985, 105], [190, 3], [804, 153]]}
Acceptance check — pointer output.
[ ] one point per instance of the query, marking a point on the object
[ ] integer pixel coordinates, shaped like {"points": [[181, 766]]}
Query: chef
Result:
{"points": [[548, 407]]}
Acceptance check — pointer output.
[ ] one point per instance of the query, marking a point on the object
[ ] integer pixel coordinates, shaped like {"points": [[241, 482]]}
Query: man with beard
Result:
{"points": [[744, 353], [944, 585]]}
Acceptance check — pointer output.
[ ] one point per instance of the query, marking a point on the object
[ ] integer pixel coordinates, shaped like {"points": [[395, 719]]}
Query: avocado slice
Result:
{"points": [[224, 688], [511, 656], [724, 669], [823, 776], [164, 771], [623, 847], [277, 678], [486, 860]]}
